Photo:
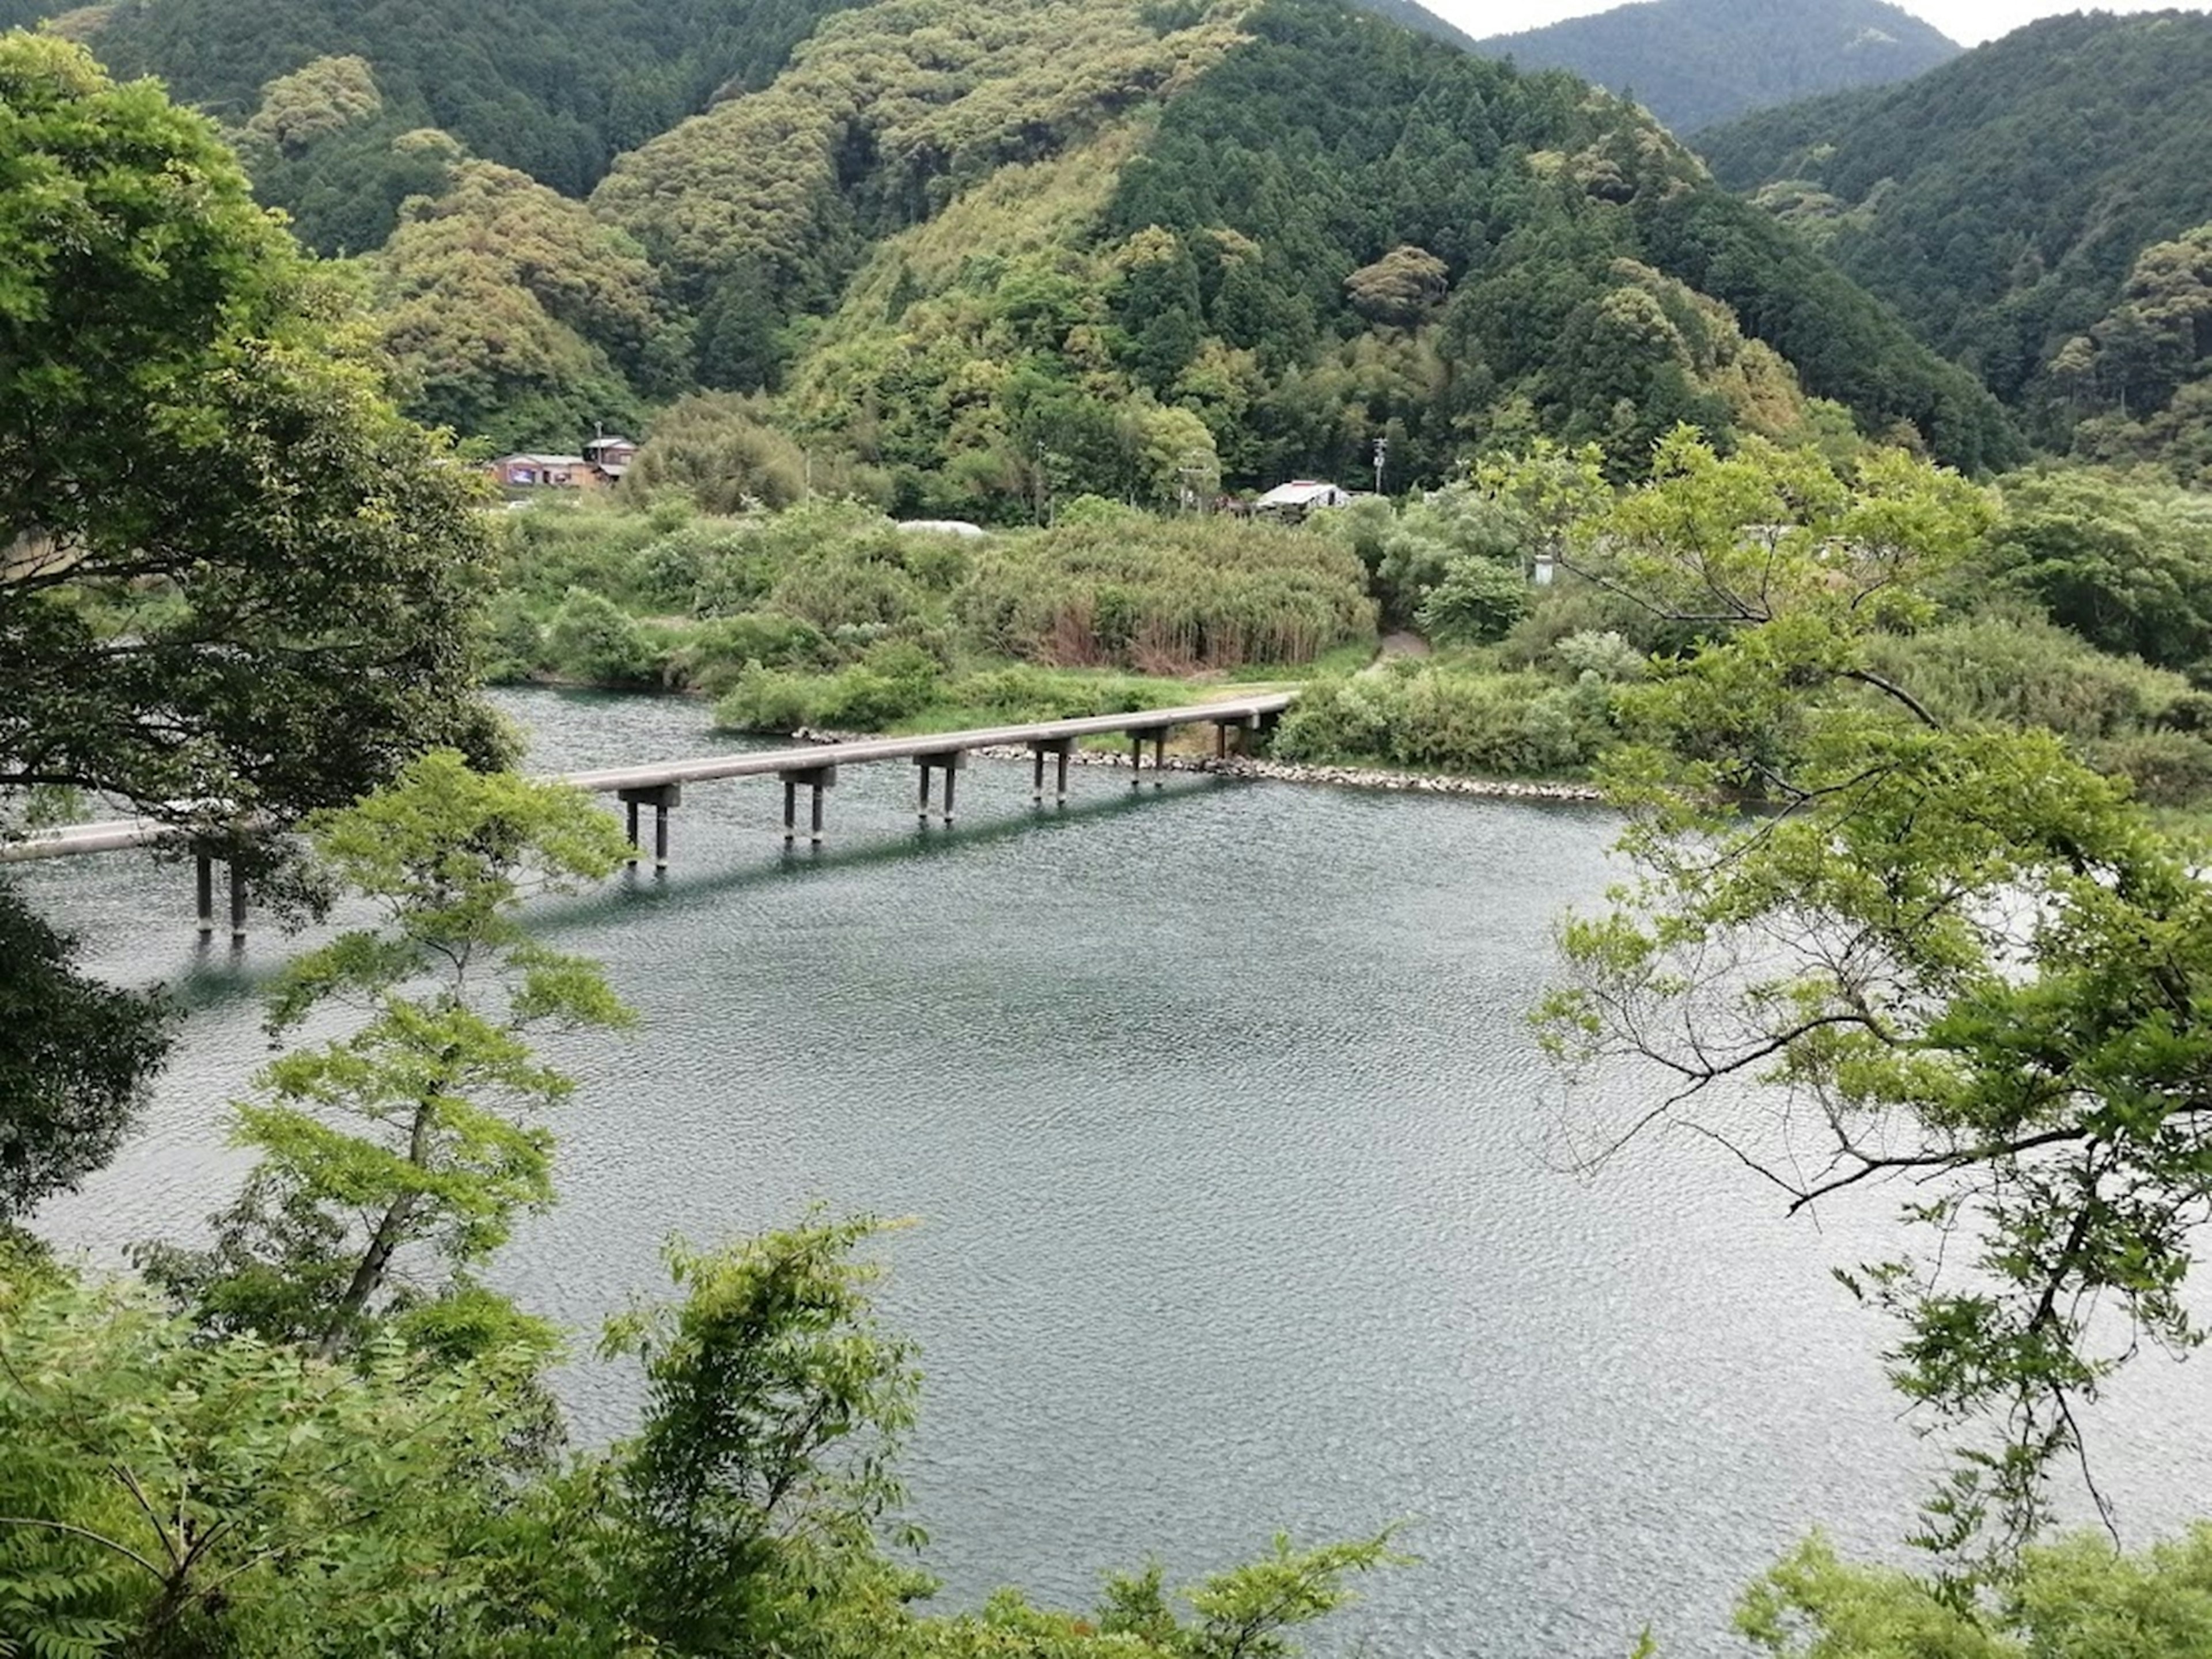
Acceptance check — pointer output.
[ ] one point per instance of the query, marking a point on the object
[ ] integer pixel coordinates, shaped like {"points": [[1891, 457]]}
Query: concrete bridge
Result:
{"points": [[660, 785]]}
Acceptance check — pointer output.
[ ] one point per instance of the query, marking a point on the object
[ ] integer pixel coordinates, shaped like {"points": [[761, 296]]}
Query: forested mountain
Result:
{"points": [[1692, 63], [554, 92], [973, 256], [2006, 203], [1340, 233]]}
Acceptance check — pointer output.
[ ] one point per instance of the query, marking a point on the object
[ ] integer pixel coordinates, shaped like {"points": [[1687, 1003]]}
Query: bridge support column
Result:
{"points": [[1059, 747], [662, 798], [203, 886], [1158, 735], [237, 904], [816, 778], [1224, 745], [950, 762]]}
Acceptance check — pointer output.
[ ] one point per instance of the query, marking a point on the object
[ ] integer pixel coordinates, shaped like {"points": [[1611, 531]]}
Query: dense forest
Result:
{"points": [[2029, 210], [978, 260], [1694, 63]]}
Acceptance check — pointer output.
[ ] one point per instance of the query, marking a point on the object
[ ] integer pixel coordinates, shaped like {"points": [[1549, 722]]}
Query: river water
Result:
{"points": [[1235, 1207]]}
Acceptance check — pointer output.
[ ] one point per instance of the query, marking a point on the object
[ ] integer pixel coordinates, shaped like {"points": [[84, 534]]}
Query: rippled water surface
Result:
{"points": [[1227, 1143]]}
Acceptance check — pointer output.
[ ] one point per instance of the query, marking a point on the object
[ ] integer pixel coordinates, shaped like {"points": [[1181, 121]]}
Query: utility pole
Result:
{"points": [[1382, 449]]}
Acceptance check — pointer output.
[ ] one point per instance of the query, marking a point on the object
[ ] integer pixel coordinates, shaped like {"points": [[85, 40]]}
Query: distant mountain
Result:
{"points": [[2003, 202], [1692, 63]]}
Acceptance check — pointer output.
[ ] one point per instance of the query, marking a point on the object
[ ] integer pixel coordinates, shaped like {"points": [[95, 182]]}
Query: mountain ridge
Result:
{"points": [[1697, 63], [2004, 202]]}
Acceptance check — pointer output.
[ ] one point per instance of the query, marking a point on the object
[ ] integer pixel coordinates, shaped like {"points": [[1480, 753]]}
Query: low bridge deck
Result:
{"points": [[659, 784], [1227, 715]]}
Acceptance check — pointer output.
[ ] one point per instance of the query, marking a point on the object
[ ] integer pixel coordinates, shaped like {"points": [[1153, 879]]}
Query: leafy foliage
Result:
{"points": [[763, 204], [168, 1495], [2127, 569], [1173, 594], [163, 1495], [517, 82], [2139, 383], [74, 1060], [234, 573], [2078, 1597], [507, 312], [408, 1139], [1957, 953]]}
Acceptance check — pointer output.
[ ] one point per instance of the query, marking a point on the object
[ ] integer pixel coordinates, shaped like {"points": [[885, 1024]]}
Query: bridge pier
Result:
{"points": [[1159, 736], [950, 762], [661, 798], [1059, 747], [203, 858], [817, 779], [1244, 725]]}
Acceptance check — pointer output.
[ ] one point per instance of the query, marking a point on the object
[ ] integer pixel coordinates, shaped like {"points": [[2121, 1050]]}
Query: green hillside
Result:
{"points": [[516, 80], [1124, 248], [974, 259], [2001, 202], [1693, 63]]}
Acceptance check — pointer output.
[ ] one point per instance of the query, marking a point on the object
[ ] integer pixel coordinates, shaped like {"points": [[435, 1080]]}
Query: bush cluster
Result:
{"points": [[1446, 717]]}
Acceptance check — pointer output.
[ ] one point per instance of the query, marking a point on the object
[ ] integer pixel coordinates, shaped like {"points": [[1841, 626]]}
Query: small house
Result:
{"points": [[1299, 497], [610, 457], [544, 472]]}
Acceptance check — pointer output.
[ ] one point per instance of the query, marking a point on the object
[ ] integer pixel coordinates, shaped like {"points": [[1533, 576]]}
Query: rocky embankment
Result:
{"points": [[1274, 771]]}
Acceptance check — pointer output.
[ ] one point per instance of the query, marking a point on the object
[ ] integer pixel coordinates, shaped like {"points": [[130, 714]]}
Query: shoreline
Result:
{"points": [[1383, 779]]}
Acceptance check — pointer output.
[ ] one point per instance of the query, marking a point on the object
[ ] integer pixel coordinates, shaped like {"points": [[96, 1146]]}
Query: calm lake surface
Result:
{"points": [[1236, 1207]]}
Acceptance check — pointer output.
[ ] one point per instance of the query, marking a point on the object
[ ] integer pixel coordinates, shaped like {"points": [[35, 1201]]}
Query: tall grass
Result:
{"points": [[1166, 596]]}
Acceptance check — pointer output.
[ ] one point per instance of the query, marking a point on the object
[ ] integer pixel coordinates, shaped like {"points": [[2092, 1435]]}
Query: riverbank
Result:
{"points": [[1275, 771]]}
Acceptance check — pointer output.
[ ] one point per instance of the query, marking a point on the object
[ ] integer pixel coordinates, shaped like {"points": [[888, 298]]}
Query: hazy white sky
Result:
{"points": [[1970, 22]]}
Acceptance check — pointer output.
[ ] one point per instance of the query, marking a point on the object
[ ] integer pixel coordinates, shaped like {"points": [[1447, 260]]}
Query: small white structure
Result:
{"points": [[1301, 495], [943, 527]]}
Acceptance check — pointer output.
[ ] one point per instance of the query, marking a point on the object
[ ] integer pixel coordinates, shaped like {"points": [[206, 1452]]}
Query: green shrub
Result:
{"points": [[894, 683], [1023, 694], [515, 641], [2006, 672], [593, 642], [2167, 769], [845, 588], [768, 700], [1475, 601], [1436, 717], [720, 647]]}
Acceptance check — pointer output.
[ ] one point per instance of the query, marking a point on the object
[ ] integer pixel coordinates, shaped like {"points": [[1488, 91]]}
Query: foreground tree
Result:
{"points": [[233, 572], [232, 579], [166, 1496], [395, 1160], [73, 1057], [1955, 958], [2079, 1599]]}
